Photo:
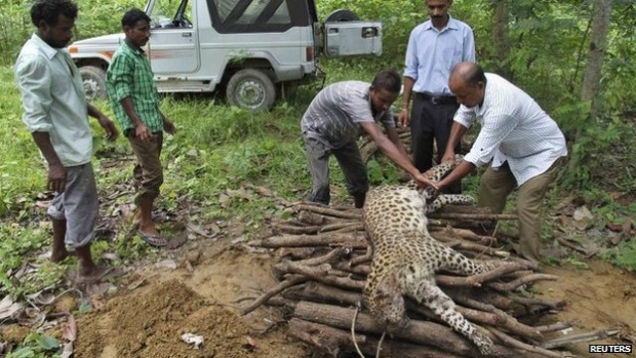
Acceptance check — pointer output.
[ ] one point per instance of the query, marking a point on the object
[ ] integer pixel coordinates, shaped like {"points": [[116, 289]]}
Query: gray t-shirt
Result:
{"points": [[335, 114]]}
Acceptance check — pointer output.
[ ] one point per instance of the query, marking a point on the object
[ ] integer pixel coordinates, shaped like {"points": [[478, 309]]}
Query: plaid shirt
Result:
{"points": [[130, 75]]}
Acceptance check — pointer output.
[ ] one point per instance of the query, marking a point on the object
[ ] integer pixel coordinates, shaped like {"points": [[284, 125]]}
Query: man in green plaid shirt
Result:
{"points": [[135, 101]]}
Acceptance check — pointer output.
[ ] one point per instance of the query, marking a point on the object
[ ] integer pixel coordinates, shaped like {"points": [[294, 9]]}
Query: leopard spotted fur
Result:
{"points": [[406, 257]]}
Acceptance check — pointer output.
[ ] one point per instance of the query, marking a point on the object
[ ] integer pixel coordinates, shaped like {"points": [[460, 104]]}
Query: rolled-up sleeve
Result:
{"points": [[34, 84], [120, 77]]}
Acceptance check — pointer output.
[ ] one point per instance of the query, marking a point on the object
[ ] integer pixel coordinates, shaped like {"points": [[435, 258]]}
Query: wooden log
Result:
{"points": [[368, 256], [553, 327], [292, 229], [331, 340], [420, 332], [319, 273], [361, 270], [465, 234], [497, 318], [297, 253], [343, 227], [487, 315], [289, 282], [463, 245], [529, 302], [510, 341], [332, 239], [477, 280], [332, 256], [350, 213], [473, 216], [582, 337], [513, 285], [318, 292], [310, 218]]}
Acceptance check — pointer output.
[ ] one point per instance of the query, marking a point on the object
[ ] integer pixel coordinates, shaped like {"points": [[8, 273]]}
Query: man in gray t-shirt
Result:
{"points": [[336, 117]]}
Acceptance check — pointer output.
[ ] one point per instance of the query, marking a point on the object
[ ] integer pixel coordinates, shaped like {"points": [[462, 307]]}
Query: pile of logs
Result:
{"points": [[325, 258]]}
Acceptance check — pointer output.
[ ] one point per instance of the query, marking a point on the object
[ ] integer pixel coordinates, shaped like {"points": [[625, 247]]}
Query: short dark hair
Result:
{"points": [[133, 15], [389, 80], [49, 11]]}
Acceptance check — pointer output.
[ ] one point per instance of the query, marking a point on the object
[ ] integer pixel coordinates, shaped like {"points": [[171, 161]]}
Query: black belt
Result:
{"points": [[435, 99]]}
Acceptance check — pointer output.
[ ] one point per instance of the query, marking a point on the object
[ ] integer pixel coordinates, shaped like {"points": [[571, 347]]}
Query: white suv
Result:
{"points": [[245, 47]]}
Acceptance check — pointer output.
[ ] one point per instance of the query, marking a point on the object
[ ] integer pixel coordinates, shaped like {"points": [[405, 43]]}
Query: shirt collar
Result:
{"points": [[450, 25], [136, 51], [48, 51]]}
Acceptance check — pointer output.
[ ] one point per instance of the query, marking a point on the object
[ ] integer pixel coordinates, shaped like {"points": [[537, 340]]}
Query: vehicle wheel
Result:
{"points": [[251, 89], [94, 80]]}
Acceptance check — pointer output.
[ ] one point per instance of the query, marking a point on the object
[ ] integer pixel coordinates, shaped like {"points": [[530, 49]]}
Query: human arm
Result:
{"points": [[107, 124], [34, 81], [457, 131], [403, 117], [168, 126], [141, 130], [393, 152], [393, 136], [459, 172], [56, 179]]}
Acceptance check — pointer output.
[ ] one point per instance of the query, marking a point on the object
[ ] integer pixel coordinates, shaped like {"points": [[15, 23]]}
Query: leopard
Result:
{"points": [[406, 257]]}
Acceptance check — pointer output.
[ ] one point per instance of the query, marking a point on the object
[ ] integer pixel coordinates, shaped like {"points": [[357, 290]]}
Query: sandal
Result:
{"points": [[153, 239]]}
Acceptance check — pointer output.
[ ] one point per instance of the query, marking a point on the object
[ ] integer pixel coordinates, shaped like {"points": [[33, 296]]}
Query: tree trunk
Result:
{"points": [[601, 11], [501, 39]]}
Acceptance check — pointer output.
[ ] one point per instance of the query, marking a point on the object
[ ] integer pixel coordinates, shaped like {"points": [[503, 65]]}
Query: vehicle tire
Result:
{"points": [[251, 89], [94, 80]]}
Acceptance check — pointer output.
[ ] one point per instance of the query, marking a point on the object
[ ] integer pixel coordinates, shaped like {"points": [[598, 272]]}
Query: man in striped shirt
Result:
{"points": [[523, 144], [135, 101], [334, 120]]}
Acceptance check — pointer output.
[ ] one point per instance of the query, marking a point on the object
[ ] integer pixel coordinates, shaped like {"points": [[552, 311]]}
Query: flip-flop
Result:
{"points": [[153, 239]]}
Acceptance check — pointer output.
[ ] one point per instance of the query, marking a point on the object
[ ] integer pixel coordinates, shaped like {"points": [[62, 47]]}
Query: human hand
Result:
{"points": [[56, 180], [424, 181], [142, 132], [403, 118], [109, 127], [449, 156], [168, 126]]}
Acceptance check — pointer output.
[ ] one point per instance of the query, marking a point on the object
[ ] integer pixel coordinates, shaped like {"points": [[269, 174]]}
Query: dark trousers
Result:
{"points": [[430, 127], [350, 161]]}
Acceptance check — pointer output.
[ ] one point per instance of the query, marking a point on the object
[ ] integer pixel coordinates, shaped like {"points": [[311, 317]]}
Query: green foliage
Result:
{"points": [[623, 255], [95, 18], [37, 345]]}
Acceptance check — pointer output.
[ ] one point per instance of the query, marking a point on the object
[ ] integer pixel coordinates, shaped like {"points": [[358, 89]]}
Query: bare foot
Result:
{"points": [[59, 255], [92, 274]]}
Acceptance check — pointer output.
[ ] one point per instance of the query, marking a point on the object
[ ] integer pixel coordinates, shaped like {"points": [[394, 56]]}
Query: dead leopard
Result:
{"points": [[406, 257]]}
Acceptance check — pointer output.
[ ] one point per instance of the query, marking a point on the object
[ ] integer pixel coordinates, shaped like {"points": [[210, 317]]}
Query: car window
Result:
{"points": [[169, 14]]}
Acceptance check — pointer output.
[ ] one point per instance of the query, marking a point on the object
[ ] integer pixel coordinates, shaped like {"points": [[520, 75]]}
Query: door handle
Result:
{"points": [[186, 34]]}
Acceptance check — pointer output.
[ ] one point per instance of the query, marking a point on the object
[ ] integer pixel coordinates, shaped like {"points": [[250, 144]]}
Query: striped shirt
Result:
{"points": [[335, 114], [129, 75], [431, 54], [54, 101], [514, 129]]}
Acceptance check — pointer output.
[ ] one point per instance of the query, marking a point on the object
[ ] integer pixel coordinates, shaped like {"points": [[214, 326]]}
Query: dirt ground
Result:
{"points": [[202, 295]]}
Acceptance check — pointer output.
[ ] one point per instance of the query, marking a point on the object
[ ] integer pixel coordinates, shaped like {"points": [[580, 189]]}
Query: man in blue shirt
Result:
{"points": [[434, 48]]}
